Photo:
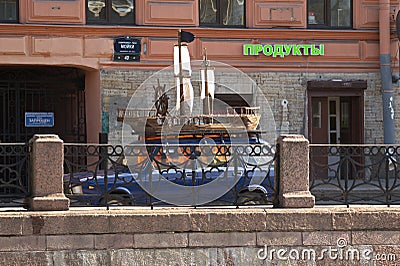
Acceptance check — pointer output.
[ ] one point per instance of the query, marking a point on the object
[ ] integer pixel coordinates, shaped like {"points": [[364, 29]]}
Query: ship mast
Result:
{"points": [[181, 100], [206, 100], [208, 88]]}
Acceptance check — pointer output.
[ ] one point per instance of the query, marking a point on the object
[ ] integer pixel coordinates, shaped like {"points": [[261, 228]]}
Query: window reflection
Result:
{"points": [[8, 10], [329, 13], [208, 11], [97, 7], [110, 12], [316, 114], [122, 7], [222, 12], [345, 115], [340, 13], [316, 11]]}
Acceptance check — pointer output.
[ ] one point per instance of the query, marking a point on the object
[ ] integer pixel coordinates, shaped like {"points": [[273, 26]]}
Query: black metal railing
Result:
{"points": [[182, 175], [14, 173], [355, 174]]}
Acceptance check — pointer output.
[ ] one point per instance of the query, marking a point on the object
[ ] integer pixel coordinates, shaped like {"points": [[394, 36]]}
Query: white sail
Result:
{"points": [[185, 57], [188, 93], [210, 83]]}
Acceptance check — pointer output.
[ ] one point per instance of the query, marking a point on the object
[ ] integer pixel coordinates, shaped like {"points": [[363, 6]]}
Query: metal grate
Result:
{"points": [[355, 174], [14, 173], [60, 91], [137, 174]]}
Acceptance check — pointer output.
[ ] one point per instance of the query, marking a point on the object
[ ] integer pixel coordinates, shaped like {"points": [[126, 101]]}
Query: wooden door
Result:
{"points": [[318, 125], [318, 120]]}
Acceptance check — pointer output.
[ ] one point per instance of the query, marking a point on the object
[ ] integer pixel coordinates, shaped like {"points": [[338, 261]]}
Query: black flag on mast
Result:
{"points": [[187, 36]]}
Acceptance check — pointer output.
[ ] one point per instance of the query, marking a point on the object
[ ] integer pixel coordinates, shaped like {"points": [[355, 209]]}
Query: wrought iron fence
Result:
{"points": [[355, 174], [182, 175], [14, 173]]}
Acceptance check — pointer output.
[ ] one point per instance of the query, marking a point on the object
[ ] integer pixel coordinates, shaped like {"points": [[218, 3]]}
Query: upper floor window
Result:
{"points": [[8, 10], [329, 14], [110, 12], [222, 13]]}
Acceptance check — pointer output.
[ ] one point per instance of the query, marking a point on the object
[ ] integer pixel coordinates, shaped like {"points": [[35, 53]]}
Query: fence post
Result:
{"points": [[294, 172], [103, 139], [47, 159]]}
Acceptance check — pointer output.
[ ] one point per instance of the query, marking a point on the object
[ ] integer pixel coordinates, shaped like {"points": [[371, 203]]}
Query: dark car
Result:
{"points": [[122, 188]]}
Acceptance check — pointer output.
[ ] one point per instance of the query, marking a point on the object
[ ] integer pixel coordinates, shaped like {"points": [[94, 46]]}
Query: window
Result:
{"points": [[329, 14], [222, 13], [316, 114], [110, 12], [8, 11]]}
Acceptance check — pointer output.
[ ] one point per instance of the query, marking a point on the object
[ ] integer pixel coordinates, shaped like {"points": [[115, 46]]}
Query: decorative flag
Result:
{"points": [[187, 36]]}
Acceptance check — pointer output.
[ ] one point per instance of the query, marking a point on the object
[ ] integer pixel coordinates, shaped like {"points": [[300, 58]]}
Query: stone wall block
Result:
{"points": [[22, 243], [12, 225], [279, 238], [384, 219], [240, 220], [161, 240], [314, 219], [24, 258], [146, 222], [47, 158], [67, 223], [376, 237], [294, 172], [325, 238], [69, 242], [234, 239], [113, 241]]}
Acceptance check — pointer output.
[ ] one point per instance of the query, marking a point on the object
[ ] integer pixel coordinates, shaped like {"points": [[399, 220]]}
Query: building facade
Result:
{"points": [[319, 63]]}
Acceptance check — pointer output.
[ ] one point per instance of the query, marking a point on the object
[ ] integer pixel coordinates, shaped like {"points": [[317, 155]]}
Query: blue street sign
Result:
{"points": [[39, 119]]}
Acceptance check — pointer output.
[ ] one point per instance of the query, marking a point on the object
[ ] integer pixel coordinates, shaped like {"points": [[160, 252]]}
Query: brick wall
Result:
{"points": [[118, 86]]}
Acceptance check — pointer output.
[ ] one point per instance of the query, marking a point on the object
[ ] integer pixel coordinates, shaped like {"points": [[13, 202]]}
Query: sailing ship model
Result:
{"points": [[155, 123]]}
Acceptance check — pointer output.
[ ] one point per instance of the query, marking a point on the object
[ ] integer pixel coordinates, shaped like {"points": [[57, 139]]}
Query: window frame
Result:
{"points": [[219, 23], [327, 17], [109, 11], [16, 15]]}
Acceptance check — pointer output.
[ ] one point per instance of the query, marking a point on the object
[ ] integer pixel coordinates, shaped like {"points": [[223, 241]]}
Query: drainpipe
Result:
{"points": [[386, 72]]}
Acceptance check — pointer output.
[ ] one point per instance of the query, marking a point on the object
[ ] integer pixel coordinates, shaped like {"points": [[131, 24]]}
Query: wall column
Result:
{"points": [[93, 106], [47, 157], [294, 189]]}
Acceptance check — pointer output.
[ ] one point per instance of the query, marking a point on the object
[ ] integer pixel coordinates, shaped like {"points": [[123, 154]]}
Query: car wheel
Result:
{"points": [[251, 198], [115, 200]]}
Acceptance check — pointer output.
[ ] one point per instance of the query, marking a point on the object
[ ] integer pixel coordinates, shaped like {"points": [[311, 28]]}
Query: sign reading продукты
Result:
{"points": [[282, 50], [127, 48], [39, 119]]}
